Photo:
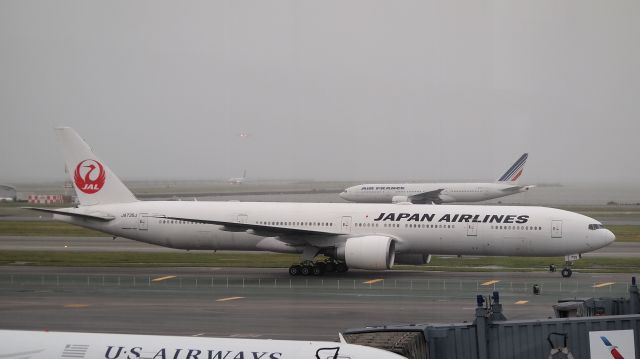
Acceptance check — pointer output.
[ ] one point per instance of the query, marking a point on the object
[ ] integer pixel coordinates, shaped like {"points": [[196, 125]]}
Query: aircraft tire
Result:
{"points": [[566, 272], [341, 267], [305, 270], [317, 270], [329, 267], [294, 270]]}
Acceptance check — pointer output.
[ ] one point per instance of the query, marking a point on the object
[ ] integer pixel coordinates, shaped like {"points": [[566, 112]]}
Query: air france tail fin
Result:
{"points": [[92, 179], [514, 172]]}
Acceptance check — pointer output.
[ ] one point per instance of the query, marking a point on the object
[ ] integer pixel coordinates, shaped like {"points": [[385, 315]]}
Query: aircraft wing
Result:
{"points": [[94, 215], [427, 197], [258, 229]]}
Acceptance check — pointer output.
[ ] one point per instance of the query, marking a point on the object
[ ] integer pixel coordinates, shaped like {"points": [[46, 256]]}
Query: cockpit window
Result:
{"points": [[595, 226]]}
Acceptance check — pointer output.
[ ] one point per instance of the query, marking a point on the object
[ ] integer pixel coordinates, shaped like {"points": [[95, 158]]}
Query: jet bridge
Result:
{"points": [[492, 336]]}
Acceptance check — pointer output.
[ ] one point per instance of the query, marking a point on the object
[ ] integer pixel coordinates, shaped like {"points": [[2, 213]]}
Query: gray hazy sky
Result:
{"points": [[325, 89]]}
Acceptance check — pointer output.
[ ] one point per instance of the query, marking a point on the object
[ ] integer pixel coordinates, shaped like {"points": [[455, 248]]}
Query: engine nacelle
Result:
{"points": [[400, 199], [414, 259], [368, 252]]}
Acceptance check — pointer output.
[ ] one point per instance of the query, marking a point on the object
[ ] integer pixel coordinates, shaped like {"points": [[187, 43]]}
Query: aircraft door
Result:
{"points": [[472, 229], [346, 224], [143, 222], [556, 229], [242, 218]]}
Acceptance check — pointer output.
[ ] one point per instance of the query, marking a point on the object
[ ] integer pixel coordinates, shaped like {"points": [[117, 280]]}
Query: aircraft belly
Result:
{"points": [[214, 239], [238, 241]]}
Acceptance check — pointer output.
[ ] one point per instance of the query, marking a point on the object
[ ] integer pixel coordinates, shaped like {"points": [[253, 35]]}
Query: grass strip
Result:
{"points": [[625, 233], [45, 228], [128, 259], [612, 264]]}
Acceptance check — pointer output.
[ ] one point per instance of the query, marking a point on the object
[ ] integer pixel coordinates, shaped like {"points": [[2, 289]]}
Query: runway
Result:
{"points": [[108, 244], [267, 303]]}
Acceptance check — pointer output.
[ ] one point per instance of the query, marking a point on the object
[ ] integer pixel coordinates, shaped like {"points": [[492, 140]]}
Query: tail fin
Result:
{"points": [[92, 179], [515, 171]]}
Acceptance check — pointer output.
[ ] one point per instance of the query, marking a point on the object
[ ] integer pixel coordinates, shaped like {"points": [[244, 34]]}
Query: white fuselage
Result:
{"points": [[451, 192], [47, 345], [444, 229]]}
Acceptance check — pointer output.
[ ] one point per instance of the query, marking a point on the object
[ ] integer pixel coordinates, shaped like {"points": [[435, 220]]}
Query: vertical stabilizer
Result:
{"points": [[515, 171], [92, 180]]}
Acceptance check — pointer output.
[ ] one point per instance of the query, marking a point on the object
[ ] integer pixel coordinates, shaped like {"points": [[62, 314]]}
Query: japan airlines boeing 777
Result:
{"points": [[18, 344], [364, 236], [436, 193]]}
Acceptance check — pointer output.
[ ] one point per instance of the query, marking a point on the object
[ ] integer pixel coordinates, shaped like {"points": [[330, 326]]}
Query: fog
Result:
{"points": [[326, 90]]}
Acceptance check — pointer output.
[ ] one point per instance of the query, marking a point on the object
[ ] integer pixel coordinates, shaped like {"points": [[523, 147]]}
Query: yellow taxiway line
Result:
{"points": [[373, 281], [490, 282], [521, 302], [600, 285], [228, 299], [163, 278]]}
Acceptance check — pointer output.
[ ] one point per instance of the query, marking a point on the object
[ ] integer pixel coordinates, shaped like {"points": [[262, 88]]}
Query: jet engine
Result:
{"points": [[414, 259], [400, 199], [368, 252]]}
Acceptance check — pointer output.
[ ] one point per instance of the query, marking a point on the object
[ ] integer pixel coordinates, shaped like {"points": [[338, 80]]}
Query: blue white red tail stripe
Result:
{"points": [[612, 348], [515, 171]]}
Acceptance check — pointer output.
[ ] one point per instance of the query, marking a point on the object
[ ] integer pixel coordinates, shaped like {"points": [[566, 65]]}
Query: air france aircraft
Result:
{"points": [[364, 236], [437, 193], [18, 344]]}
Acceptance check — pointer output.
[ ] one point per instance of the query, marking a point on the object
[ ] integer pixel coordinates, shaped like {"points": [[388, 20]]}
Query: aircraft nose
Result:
{"points": [[609, 237]]}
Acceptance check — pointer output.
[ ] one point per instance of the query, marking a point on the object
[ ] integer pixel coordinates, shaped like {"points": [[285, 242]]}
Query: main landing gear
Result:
{"points": [[307, 268]]}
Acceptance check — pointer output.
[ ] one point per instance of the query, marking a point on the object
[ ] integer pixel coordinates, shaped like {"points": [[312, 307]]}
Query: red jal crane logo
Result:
{"points": [[89, 176]]}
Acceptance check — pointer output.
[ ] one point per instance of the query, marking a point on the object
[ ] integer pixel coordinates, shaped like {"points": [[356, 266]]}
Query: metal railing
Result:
{"points": [[574, 287]]}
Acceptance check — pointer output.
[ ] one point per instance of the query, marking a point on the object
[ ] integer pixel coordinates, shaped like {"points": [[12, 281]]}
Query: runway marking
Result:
{"points": [[373, 281], [521, 302], [490, 282], [76, 305], [606, 284], [163, 278], [229, 298]]}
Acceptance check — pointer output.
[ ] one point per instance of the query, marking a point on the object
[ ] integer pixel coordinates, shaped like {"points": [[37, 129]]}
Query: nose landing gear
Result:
{"points": [[568, 262]]}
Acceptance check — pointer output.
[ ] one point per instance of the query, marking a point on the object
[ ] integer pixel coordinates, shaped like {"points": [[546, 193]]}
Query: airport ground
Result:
{"points": [[217, 300], [267, 303]]}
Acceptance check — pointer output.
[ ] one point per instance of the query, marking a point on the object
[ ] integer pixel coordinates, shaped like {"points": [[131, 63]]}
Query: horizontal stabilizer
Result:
{"points": [[512, 189], [94, 215]]}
